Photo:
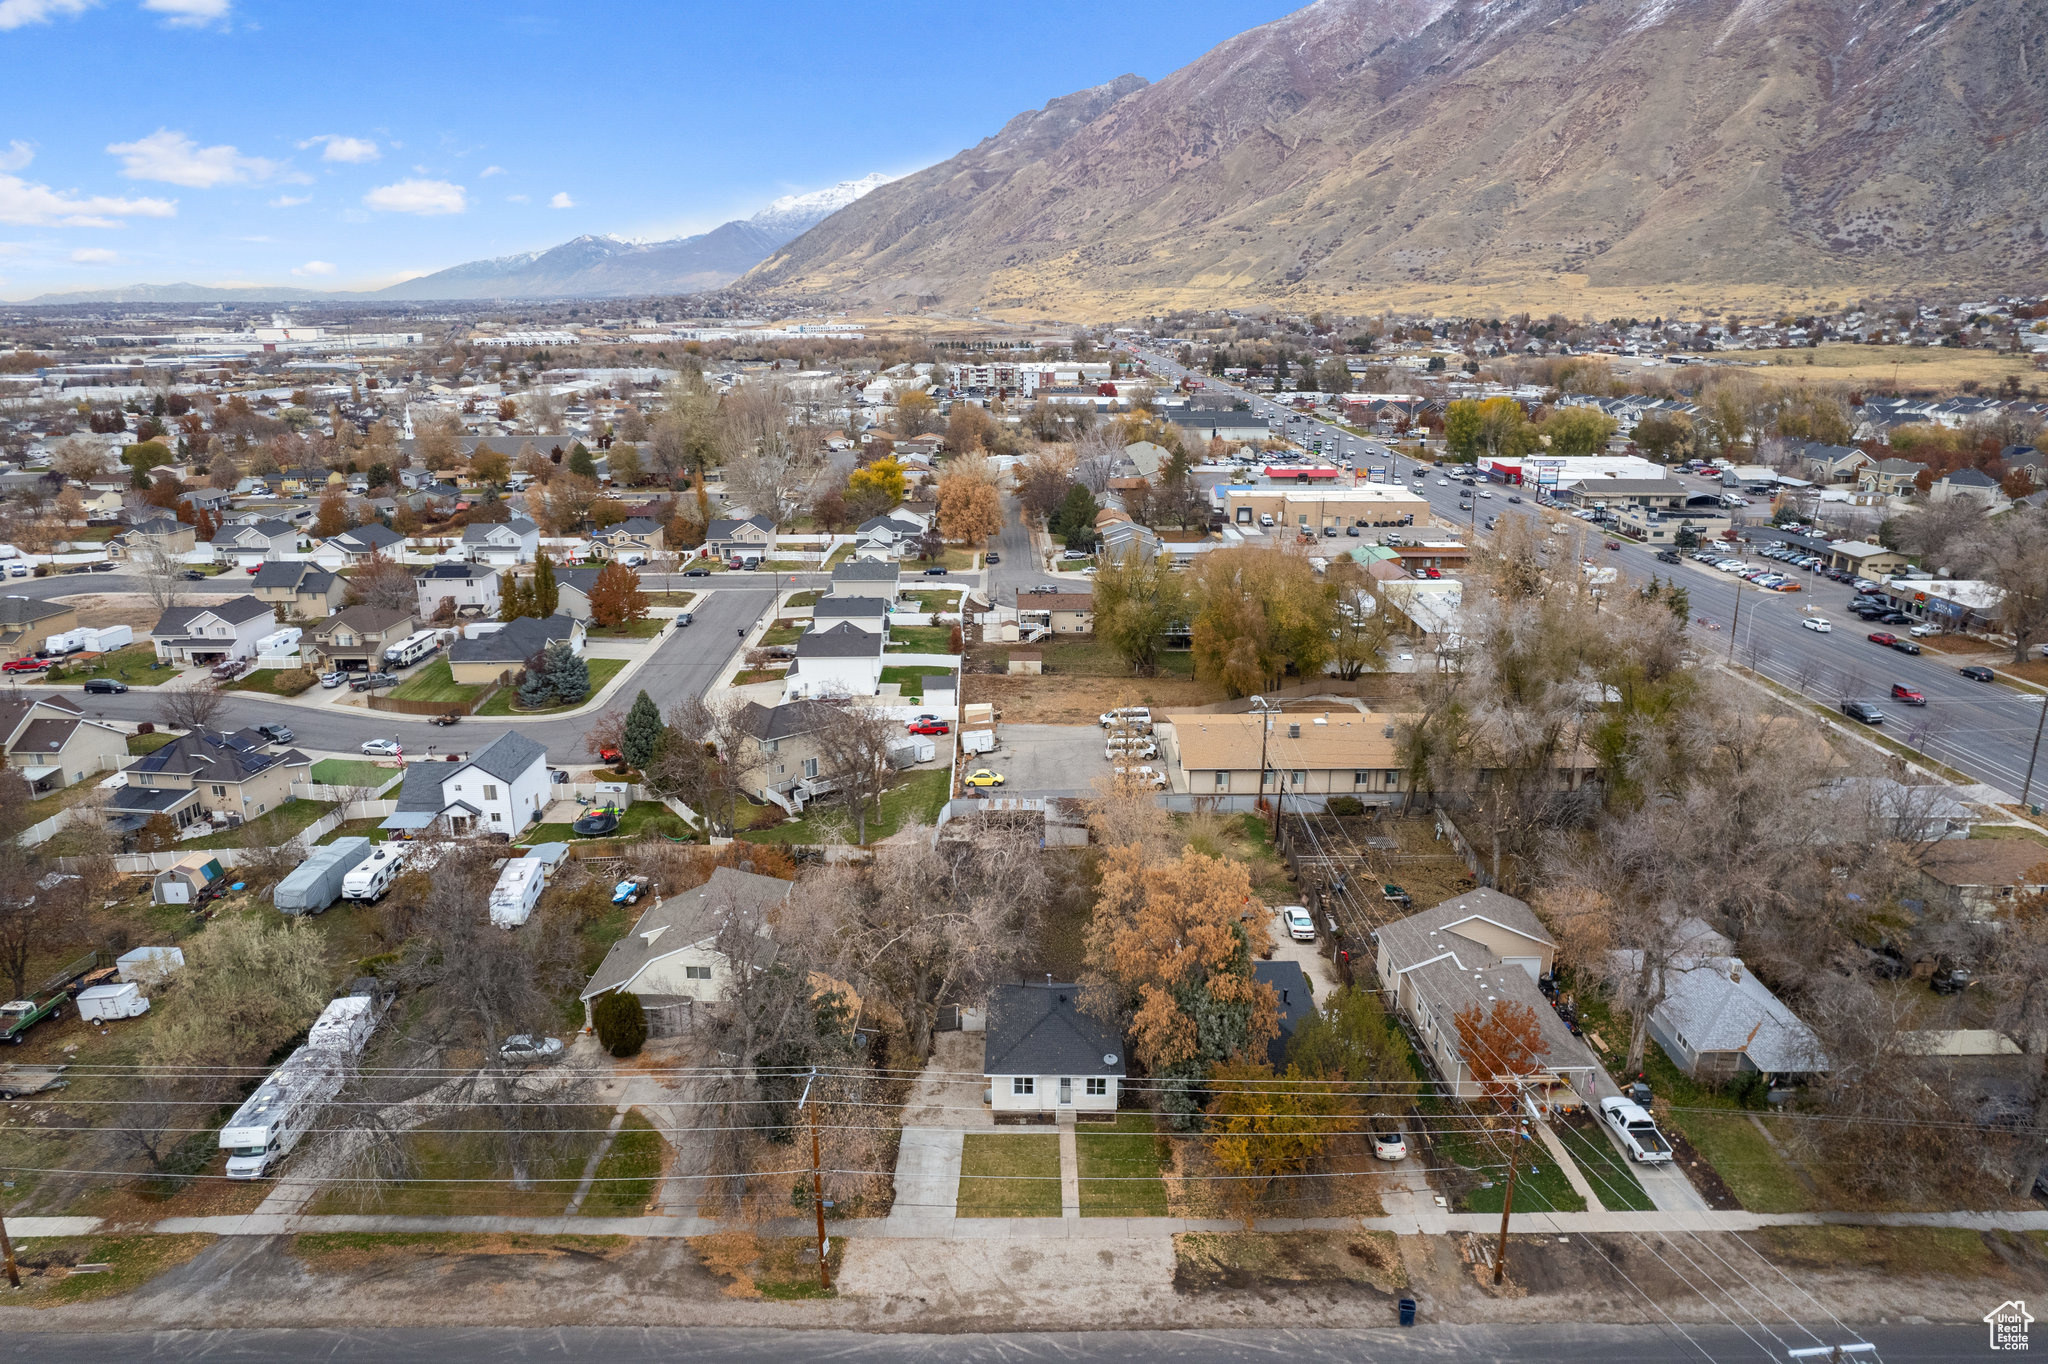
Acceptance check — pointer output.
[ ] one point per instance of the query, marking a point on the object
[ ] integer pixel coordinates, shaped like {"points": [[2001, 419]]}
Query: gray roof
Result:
{"points": [[636, 525], [1718, 1004], [506, 756], [843, 607], [421, 791], [844, 640], [683, 921], [235, 611], [28, 610], [518, 641], [1290, 985], [1407, 939], [1970, 478], [723, 527], [867, 571], [1898, 466], [582, 579], [375, 535], [781, 722], [481, 535], [302, 577], [1040, 1030], [363, 620], [462, 572], [1631, 487]]}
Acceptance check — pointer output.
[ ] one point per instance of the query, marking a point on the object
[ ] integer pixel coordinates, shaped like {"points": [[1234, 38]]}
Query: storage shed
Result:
{"points": [[185, 880]]}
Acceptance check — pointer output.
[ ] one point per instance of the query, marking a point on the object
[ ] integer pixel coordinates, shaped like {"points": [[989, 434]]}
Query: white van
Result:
{"points": [[1131, 719], [1266, 520], [1132, 746], [369, 879]]}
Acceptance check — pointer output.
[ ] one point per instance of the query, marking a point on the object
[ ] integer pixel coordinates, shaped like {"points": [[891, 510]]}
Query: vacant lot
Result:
{"points": [[1936, 368]]}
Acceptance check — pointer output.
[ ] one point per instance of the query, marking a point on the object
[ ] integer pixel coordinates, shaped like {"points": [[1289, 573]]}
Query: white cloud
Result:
{"points": [[15, 13], [562, 200], [313, 267], [93, 255], [488, 171], [353, 150], [177, 160], [518, 199], [428, 198], [291, 200], [190, 13], [17, 156], [39, 205]]}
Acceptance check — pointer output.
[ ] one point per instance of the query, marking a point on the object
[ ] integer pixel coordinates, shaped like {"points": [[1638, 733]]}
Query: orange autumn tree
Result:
{"points": [[1171, 948], [1501, 1046], [1267, 1127]]}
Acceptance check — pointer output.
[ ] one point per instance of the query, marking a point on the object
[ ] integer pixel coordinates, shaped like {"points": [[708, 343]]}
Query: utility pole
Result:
{"points": [[2032, 758], [1265, 713], [817, 1179], [1735, 624], [7, 1250], [1500, 1258]]}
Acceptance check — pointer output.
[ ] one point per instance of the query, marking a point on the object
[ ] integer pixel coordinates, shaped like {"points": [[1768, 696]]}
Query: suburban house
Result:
{"points": [[642, 535], [1829, 463], [157, 535], [572, 591], [304, 589], [502, 543], [1981, 878], [869, 613], [1290, 987], [844, 660], [227, 778], [1889, 477], [50, 742], [26, 624], [1974, 484], [786, 763], [358, 545], [1064, 613], [251, 542], [753, 538], [214, 632], [215, 500], [1043, 1055], [1122, 538], [499, 789], [1864, 559], [355, 639], [467, 589], [1467, 953], [504, 651], [892, 535], [1718, 1022], [875, 578], [671, 959]]}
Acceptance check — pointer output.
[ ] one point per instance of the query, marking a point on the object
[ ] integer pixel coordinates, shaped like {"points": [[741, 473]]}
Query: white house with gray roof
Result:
{"points": [[868, 613], [671, 959], [1043, 1055], [877, 578], [1718, 1022], [499, 789], [214, 632], [245, 543], [840, 660], [502, 543]]}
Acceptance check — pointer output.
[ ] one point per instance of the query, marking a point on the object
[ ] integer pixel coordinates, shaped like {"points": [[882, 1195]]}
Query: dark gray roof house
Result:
{"points": [[682, 923], [372, 538], [833, 609], [1040, 1030], [422, 799], [518, 641], [844, 640]]}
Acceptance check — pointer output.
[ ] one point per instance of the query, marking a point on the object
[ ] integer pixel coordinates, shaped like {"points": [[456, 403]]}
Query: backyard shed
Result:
{"points": [[185, 880]]}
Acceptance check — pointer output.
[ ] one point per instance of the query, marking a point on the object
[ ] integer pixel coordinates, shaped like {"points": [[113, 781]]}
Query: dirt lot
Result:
{"points": [[1079, 700], [132, 609]]}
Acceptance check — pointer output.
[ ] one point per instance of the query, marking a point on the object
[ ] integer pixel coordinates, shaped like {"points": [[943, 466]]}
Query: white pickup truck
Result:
{"points": [[1637, 1129]]}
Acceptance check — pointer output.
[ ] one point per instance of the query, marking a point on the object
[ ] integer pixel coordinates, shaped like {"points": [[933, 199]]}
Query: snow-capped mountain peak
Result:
{"points": [[803, 211]]}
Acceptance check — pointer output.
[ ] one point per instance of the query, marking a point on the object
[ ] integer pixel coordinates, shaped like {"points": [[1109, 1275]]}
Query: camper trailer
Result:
{"points": [[270, 1122], [370, 878], [412, 649], [519, 887]]}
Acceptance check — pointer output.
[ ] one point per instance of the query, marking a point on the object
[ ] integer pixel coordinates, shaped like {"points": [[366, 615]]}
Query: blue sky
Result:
{"points": [[332, 146]]}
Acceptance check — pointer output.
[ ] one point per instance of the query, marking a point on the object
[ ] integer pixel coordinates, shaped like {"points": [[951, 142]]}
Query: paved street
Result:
{"points": [[1984, 731]]}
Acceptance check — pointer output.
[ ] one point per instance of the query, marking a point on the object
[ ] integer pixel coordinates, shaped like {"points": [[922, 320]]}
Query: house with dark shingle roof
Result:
{"points": [[671, 958], [251, 542], [1974, 484], [27, 623], [499, 789], [156, 534], [843, 660], [304, 589], [641, 535], [869, 613], [356, 638], [355, 546], [878, 578], [1043, 1055], [213, 632], [503, 543], [753, 538], [469, 589], [223, 777], [1982, 878], [50, 742], [491, 656], [1890, 477]]}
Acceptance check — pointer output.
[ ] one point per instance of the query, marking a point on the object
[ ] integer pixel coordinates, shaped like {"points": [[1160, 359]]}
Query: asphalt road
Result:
{"points": [[1542, 1344], [687, 663], [1984, 730]]}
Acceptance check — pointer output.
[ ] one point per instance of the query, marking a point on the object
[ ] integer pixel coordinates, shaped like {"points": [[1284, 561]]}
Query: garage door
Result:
{"points": [[1533, 965]]}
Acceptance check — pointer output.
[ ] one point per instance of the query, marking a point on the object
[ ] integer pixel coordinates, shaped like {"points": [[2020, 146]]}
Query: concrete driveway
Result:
{"points": [[1321, 974], [1043, 760]]}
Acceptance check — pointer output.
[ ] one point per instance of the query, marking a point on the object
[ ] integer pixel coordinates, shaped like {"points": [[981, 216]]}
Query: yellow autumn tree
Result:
{"points": [[1265, 1127], [970, 505]]}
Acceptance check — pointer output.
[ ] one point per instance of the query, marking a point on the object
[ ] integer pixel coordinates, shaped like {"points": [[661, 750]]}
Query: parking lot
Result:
{"points": [[1036, 759]]}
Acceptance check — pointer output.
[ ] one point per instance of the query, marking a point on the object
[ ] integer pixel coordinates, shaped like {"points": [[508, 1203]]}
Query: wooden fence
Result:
{"points": [[396, 706]]}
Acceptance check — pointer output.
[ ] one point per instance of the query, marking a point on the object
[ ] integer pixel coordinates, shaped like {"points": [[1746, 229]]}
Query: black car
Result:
{"points": [[993, 558], [105, 686], [1977, 674], [1895, 618], [277, 734], [1863, 711], [935, 572], [1905, 646], [193, 575], [1667, 556], [1514, 497], [103, 566], [696, 573]]}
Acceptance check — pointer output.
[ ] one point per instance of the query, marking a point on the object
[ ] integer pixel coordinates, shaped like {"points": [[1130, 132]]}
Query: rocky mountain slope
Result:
{"points": [[1495, 149]]}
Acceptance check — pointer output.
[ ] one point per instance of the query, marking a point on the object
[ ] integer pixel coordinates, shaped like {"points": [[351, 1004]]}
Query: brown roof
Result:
{"points": [[1332, 740], [45, 736], [1057, 601], [1986, 862]]}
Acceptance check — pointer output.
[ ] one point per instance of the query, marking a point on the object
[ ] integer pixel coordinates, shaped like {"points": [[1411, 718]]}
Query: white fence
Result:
{"points": [[152, 862], [45, 831]]}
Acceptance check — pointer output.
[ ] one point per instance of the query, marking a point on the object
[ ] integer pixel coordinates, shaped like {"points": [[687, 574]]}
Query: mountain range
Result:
{"points": [[1404, 151], [588, 267]]}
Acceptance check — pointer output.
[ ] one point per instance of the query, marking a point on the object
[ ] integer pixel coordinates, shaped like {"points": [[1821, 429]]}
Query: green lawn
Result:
{"points": [[923, 639], [602, 670], [1005, 1175], [130, 665], [783, 632], [627, 1176], [1120, 1168], [910, 681], [436, 682], [1540, 1185], [351, 772], [932, 600], [140, 745], [798, 600], [264, 680], [643, 819], [283, 823], [357, 828], [633, 629], [918, 797], [464, 1167], [1608, 1173]]}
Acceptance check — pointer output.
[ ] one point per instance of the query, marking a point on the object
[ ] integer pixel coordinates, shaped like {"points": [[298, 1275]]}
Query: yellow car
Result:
{"points": [[983, 777]]}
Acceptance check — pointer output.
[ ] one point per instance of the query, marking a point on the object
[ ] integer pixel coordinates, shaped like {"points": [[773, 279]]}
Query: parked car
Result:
{"points": [[1863, 711], [24, 665], [1389, 1146], [277, 734], [1884, 637], [684, 619], [1667, 556], [333, 679], [1902, 692], [983, 778], [1817, 625], [936, 572], [523, 1050], [1637, 1130], [381, 748], [103, 566], [1923, 629], [1905, 646], [931, 727], [993, 558], [1301, 925], [446, 717], [105, 686], [1949, 978], [1977, 674], [696, 573], [193, 575], [373, 681]]}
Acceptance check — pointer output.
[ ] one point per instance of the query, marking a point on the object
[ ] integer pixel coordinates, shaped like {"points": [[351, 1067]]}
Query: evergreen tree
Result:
{"points": [[534, 691], [643, 732], [580, 461], [545, 596], [512, 600], [621, 1022], [568, 676]]}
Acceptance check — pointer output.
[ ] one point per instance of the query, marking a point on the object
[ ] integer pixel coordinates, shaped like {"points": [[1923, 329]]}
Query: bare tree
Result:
{"points": [[1095, 458], [2011, 553], [385, 584], [36, 912], [854, 740], [161, 569], [197, 706]]}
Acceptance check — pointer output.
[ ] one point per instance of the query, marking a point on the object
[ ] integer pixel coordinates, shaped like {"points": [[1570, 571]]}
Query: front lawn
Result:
{"points": [[1120, 1168], [1607, 1172], [264, 680], [628, 1174], [142, 745], [783, 632], [798, 600], [602, 670], [934, 600], [130, 665], [910, 681], [286, 822], [752, 675], [352, 772], [1005, 1175], [1540, 1185], [922, 639], [632, 629], [917, 798], [436, 683]]}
